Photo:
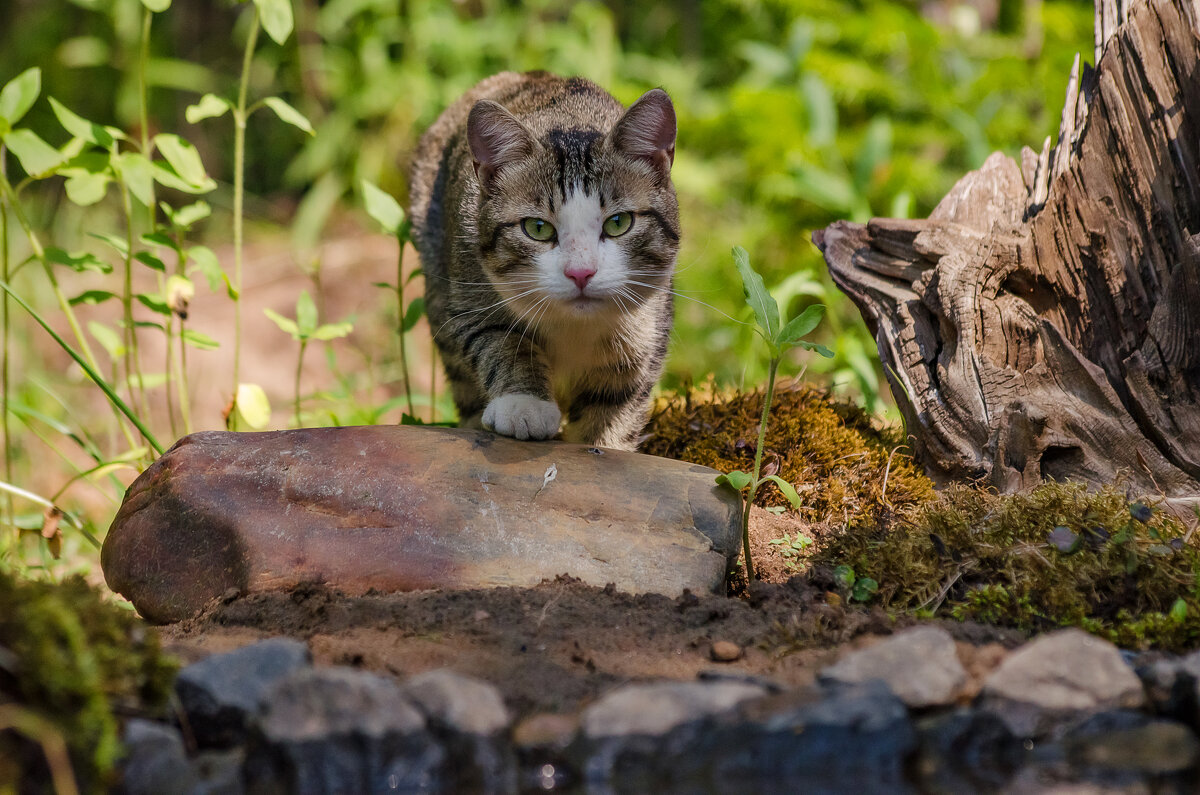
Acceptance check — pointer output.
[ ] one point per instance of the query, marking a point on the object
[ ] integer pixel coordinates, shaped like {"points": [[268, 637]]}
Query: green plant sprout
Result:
{"points": [[305, 329], [386, 211], [792, 548], [275, 17], [780, 338]]}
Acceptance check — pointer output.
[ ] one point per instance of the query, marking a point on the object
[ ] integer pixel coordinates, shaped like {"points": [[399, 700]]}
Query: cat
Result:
{"points": [[548, 228]]}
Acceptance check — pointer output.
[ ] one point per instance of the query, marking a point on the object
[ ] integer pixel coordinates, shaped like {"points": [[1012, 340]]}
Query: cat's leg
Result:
{"points": [[612, 417], [515, 380]]}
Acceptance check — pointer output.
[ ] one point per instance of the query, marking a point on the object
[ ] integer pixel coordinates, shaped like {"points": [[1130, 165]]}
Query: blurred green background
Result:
{"points": [[792, 113]]}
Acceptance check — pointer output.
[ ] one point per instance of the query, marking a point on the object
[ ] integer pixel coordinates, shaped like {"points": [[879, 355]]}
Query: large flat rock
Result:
{"points": [[406, 508]]}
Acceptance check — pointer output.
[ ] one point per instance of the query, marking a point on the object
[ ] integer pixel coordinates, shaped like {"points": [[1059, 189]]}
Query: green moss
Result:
{"points": [[1119, 571], [78, 661], [842, 466]]}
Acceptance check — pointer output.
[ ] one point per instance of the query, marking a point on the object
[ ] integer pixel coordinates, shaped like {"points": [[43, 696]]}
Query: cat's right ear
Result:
{"points": [[497, 139]]}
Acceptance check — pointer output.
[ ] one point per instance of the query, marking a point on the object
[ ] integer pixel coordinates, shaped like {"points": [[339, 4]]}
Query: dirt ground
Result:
{"points": [[555, 647]]}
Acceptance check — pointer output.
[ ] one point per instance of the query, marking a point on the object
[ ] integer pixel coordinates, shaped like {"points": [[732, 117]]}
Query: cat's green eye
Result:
{"points": [[539, 229], [618, 224]]}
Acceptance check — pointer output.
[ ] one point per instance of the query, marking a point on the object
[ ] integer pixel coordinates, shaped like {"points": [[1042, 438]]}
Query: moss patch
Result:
{"points": [[844, 467], [1055, 556], [77, 661]]}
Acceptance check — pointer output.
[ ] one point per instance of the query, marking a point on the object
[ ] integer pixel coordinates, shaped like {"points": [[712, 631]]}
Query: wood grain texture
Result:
{"points": [[1044, 321]]}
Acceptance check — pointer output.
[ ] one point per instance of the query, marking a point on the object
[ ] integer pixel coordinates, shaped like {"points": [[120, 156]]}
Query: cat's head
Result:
{"points": [[577, 221]]}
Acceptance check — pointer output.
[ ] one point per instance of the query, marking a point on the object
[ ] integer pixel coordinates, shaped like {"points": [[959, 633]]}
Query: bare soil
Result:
{"points": [[557, 646]]}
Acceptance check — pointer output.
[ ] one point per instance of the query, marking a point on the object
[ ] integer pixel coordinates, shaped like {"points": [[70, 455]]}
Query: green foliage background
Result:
{"points": [[792, 113]]}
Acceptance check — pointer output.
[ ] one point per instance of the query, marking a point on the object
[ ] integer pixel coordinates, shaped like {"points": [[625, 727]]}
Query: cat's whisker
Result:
{"points": [[495, 307], [685, 296]]}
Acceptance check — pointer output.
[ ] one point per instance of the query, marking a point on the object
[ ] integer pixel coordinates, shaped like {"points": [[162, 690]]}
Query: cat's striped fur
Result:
{"points": [[575, 325]]}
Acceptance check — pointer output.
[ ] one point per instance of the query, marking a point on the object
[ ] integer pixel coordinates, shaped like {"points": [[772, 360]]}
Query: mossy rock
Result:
{"points": [[71, 661]]}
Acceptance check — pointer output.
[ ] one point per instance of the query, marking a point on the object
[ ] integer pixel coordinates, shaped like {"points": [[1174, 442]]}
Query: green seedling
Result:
{"points": [[304, 329], [780, 338]]}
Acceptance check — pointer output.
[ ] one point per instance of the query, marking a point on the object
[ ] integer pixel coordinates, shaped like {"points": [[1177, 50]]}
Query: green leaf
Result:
{"points": [[306, 314], [108, 339], [844, 576], [117, 243], [382, 207], [190, 214], [766, 311], [801, 325], [415, 273], [253, 406], [86, 189], [35, 155], [210, 106], [287, 325], [146, 380], [287, 113], [276, 16], [80, 127], [183, 157], [737, 479], [812, 346], [81, 262], [158, 239], [18, 96], [157, 6], [788, 490], [198, 340], [154, 303], [864, 589], [332, 331], [207, 264], [91, 297], [138, 173], [164, 174], [415, 311], [150, 261], [1179, 611]]}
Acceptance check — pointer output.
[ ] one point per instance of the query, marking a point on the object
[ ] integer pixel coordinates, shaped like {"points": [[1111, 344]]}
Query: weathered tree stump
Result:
{"points": [[1044, 321]]}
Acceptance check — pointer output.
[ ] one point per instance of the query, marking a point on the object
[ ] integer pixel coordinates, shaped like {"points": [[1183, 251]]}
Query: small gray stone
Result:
{"points": [[458, 702], [656, 708], [1057, 679], [155, 760], [220, 694], [340, 730], [920, 665], [468, 716], [843, 738]]}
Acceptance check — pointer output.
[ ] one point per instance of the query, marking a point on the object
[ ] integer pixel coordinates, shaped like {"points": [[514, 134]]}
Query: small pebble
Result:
{"points": [[724, 651], [545, 730]]}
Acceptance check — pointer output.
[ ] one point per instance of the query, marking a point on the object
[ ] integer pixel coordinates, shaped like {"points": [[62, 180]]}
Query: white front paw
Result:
{"points": [[522, 417]]}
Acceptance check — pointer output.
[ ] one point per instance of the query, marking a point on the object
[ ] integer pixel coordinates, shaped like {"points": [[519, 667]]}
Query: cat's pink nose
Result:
{"points": [[580, 275]]}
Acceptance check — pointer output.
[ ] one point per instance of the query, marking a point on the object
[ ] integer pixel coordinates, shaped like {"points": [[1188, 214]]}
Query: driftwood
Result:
{"points": [[1044, 321]]}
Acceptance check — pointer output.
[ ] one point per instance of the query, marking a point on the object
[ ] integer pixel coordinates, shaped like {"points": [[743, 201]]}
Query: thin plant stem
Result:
{"points": [[133, 359], [9, 513], [400, 315], [167, 368], [184, 397], [143, 108], [91, 372], [299, 366], [239, 187], [758, 457]]}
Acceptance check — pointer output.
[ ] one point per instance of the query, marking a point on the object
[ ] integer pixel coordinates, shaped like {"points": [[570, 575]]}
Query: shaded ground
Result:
{"points": [[557, 646]]}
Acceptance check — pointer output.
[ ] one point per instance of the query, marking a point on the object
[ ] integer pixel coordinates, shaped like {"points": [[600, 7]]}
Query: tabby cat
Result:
{"points": [[548, 228]]}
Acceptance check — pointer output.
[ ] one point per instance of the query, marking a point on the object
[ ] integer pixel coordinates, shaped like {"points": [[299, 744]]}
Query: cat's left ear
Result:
{"points": [[647, 131]]}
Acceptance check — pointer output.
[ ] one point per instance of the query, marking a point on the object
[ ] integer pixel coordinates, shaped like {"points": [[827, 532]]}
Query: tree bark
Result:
{"points": [[1044, 321]]}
